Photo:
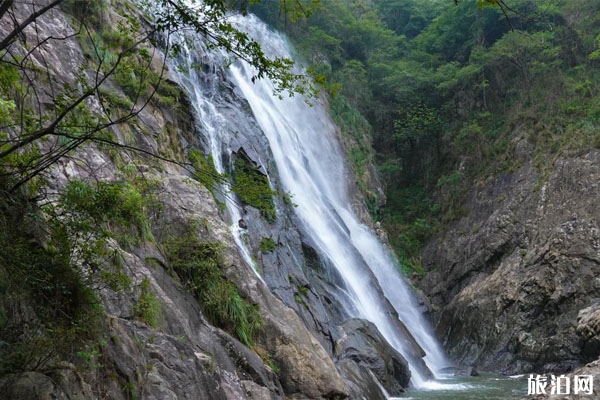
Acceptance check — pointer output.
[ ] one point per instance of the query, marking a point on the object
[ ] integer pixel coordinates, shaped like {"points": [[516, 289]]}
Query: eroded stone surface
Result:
{"points": [[507, 282]]}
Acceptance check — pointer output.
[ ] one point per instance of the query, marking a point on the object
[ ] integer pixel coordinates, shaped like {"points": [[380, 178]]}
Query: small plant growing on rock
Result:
{"points": [[199, 265], [148, 308], [253, 188], [267, 245]]}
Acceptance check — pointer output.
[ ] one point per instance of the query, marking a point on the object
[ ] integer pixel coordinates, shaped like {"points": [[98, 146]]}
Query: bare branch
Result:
{"points": [[18, 29], [51, 128], [4, 6]]}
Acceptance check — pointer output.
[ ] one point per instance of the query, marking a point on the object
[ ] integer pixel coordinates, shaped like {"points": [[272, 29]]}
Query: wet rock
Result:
{"points": [[305, 367], [363, 353], [60, 384]]}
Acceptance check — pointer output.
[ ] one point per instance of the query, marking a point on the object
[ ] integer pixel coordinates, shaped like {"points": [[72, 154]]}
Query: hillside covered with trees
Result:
{"points": [[443, 91]]}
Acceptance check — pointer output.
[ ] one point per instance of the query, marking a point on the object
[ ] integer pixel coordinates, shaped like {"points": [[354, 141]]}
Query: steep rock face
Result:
{"points": [[362, 351], [186, 356], [507, 281], [292, 269], [588, 329], [304, 365]]}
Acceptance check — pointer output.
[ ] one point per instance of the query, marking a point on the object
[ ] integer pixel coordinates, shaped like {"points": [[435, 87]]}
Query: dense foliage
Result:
{"points": [[448, 90], [54, 257]]}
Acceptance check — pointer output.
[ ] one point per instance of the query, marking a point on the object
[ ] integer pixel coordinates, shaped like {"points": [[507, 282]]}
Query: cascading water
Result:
{"points": [[213, 126], [311, 166]]}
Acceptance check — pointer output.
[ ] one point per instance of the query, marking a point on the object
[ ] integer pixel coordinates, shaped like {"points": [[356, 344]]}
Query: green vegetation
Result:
{"points": [[54, 257], [148, 308], [303, 290], [253, 188], [301, 293], [119, 50], [267, 245], [40, 272], [200, 267], [267, 358], [204, 170], [119, 208], [444, 93]]}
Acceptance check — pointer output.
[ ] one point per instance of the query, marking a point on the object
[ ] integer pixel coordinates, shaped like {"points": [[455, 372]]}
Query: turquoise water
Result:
{"points": [[471, 388]]}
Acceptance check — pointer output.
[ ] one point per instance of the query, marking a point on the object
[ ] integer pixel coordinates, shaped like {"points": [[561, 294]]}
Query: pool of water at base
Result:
{"points": [[486, 387]]}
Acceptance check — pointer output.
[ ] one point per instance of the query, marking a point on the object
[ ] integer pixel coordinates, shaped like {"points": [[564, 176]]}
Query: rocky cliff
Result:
{"points": [[161, 334], [508, 280]]}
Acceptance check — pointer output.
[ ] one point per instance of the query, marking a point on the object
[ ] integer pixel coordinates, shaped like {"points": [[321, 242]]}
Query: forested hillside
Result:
{"points": [[445, 92]]}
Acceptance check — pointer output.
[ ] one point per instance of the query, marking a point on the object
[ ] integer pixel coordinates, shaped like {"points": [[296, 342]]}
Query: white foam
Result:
{"points": [[436, 385]]}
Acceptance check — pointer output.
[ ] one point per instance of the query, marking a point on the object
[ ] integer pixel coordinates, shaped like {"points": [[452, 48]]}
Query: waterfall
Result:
{"points": [[311, 167]]}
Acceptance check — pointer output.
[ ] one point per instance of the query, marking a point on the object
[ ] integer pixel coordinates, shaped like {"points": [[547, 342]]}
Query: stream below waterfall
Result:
{"points": [[488, 387]]}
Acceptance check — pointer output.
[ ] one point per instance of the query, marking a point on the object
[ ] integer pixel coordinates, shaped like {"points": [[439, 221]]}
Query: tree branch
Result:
{"points": [[17, 30], [4, 6]]}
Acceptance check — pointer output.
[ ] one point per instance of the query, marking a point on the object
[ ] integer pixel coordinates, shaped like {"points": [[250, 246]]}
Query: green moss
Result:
{"points": [[300, 300], [267, 245], [300, 295], [199, 265], [252, 187], [303, 290], [130, 389]]}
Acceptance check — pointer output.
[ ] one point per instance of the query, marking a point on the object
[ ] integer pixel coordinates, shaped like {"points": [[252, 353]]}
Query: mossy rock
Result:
{"points": [[252, 187]]}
